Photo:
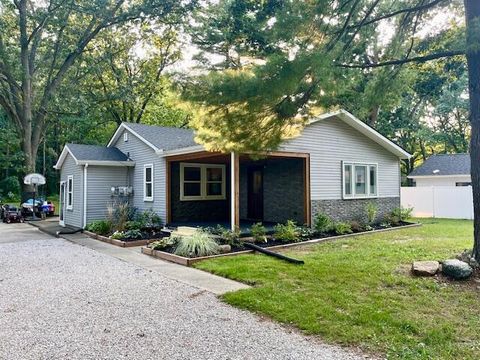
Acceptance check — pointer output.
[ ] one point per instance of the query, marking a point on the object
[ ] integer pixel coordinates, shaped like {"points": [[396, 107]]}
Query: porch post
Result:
{"points": [[234, 191]]}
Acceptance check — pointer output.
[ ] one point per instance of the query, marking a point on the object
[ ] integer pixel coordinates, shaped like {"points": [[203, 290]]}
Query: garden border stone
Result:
{"points": [[190, 261]]}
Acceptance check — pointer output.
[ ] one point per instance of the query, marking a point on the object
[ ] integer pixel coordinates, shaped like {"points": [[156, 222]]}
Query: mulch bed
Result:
{"points": [[146, 239]]}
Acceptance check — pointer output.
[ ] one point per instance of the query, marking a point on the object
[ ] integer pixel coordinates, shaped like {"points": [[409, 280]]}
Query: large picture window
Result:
{"points": [[148, 182], [359, 180], [70, 192], [202, 182]]}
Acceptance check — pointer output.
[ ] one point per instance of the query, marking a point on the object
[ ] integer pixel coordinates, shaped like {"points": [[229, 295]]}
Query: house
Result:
{"points": [[443, 170], [335, 166]]}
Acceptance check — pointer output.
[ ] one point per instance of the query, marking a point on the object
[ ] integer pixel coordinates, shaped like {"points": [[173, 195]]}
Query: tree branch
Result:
{"points": [[419, 59]]}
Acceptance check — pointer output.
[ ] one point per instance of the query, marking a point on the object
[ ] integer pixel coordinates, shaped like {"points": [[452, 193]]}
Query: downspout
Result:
{"points": [[85, 188]]}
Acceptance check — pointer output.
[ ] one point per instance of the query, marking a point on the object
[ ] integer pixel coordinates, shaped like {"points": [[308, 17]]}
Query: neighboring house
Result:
{"points": [[443, 170], [336, 165]]}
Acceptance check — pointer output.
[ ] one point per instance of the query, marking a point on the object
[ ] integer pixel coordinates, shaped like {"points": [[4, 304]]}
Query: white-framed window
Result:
{"points": [[202, 182], [359, 180], [125, 136], [148, 182], [70, 192]]}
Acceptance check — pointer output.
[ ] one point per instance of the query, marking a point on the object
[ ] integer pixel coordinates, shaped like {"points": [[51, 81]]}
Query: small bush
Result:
{"points": [[398, 215], [288, 232], [150, 220], [198, 244], [134, 225], [119, 213], [323, 223], [133, 234], [371, 209], [259, 233], [100, 227], [230, 237], [306, 232], [11, 187], [165, 243], [356, 226], [118, 235], [342, 228]]}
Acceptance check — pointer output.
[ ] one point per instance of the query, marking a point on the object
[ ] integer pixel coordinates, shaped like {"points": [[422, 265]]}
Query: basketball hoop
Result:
{"points": [[35, 180]]}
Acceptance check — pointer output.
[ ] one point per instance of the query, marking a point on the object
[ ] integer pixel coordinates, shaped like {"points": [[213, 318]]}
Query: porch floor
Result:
{"points": [[245, 225]]}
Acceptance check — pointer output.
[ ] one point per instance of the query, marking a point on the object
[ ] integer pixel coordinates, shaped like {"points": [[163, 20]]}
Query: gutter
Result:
{"points": [[85, 188]]}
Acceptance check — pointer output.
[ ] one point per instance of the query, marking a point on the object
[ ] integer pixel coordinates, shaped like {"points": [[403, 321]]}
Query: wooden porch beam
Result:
{"points": [[234, 191]]}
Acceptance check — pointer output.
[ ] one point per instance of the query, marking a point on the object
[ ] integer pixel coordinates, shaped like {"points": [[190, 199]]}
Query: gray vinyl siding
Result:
{"points": [[100, 180], [73, 217], [332, 141], [143, 154]]}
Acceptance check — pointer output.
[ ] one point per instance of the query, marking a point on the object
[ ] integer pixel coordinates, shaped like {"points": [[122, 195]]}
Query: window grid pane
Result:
{"points": [[360, 180], [373, 180], [348, 179]]}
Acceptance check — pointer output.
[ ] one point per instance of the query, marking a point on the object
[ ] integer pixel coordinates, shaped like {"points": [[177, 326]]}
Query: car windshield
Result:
{"points": [[30, 202]]}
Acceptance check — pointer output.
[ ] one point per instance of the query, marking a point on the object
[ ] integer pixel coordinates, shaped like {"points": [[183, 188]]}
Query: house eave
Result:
{"points": [[182, 151], [105, 163], [436, 176], [123, 126]]}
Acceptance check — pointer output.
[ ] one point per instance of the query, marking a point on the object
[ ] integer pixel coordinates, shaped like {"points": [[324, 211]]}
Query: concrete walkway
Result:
{"points": [[193, 277]]}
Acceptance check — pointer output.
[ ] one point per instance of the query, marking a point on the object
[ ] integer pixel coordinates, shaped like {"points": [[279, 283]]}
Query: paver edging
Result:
{"points": [[189, 261]]}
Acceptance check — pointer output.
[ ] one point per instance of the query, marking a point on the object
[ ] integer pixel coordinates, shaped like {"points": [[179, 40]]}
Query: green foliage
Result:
{"points": [[230, 237], [357, 226], [288, 232], [322, 223], [134, 225], [10, 186], [133, 234], [150, 219], [259, 233], [196, 245], [119, 213], [306, 232], [342, 228], [164, 243], [118, 235], [100, 227], [371, 209], [399, 215]]}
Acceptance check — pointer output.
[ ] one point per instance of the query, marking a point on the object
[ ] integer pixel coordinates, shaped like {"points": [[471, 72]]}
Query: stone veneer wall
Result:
{"points": [[347, 210]]}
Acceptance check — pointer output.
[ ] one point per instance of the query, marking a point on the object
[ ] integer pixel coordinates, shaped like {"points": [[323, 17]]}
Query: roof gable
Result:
{"points": [[364, 129], [443, 164], [159, 138], [93, 154]]}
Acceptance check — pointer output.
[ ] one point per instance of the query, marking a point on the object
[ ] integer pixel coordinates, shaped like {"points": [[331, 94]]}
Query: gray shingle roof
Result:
{"points": [[98, 153], [447, 164], [164, 138]]}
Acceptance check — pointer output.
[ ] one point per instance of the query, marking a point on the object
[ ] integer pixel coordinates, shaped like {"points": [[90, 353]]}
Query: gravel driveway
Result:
{"points": [[59, 300]]}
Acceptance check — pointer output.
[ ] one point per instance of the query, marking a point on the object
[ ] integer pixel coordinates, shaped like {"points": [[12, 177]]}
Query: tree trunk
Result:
{"points": [[472, 14]]}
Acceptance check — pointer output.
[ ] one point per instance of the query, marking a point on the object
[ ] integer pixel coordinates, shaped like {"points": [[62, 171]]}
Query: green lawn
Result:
{"points": [[359, 291]]}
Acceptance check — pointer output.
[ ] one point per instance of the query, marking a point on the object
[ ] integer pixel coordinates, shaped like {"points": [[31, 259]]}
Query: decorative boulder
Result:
{"points": [[456, 269], [425, 268], [225, 249]]}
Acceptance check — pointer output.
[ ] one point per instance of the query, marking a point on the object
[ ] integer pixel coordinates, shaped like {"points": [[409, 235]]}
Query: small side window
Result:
{"points": [[70, 192]]}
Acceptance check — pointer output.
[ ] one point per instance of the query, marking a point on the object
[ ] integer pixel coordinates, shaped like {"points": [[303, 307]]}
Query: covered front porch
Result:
{"points": [[207, 189]]}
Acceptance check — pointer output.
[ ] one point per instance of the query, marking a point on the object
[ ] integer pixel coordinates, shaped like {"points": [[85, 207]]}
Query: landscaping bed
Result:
{"points": [[125, 242], [236, 247]]}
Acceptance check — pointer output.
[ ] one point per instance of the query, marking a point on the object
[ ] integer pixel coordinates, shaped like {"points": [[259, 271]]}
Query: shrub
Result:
{"points": [[259, 233], [133, 234], [119, 213], [118, 235], [150, 220], [306, 232], [100, 227], [356, 226], [372, 209], [198, 244], [287, 232], [230, 237], [399, 214], [134, 225], [10, 186], [164, 243], [342, 228], [323, 223]]}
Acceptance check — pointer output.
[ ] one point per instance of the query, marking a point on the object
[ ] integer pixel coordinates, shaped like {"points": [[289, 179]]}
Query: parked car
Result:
{"points": [[11, 214], [41, 206]]}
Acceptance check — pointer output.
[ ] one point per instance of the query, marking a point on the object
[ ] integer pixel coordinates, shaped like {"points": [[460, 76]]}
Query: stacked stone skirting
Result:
{"points": [[354, 209]]}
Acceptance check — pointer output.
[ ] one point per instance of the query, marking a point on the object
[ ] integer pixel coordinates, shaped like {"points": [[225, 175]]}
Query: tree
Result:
{"points": [[40, 44], [318, 52], [472, 15]]}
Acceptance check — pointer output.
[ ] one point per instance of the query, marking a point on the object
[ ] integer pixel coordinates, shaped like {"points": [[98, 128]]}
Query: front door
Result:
{"points": [[61, 203], [255, 193]]}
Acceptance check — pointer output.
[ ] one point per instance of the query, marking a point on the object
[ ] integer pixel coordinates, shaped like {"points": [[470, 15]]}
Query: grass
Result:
{"points": [[359, 291]]}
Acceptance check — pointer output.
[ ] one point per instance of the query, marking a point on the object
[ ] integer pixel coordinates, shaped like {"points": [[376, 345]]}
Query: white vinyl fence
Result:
{"points": [[439, 201]]}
